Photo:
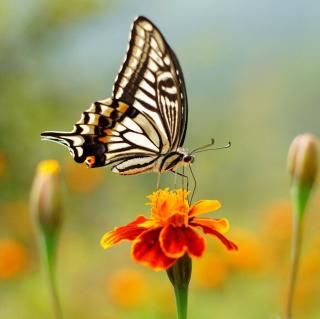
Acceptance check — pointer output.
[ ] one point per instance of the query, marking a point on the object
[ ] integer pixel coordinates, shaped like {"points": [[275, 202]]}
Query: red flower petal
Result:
{"points": [[212, 231], [176, 241], [147, 251], [129, 232]]}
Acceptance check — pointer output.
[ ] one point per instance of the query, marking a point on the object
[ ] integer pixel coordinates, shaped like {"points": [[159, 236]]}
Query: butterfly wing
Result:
{"points": [[112, 132], [152, 81], [147, 116]]}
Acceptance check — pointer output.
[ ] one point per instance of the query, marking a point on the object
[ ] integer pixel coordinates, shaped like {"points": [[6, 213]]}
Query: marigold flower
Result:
{"points": [[171, 232], [13, 258], [212, 271], [130, 281]]}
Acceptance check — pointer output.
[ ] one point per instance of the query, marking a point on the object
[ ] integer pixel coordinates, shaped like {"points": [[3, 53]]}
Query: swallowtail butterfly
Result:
{"points": [[143, 126]]}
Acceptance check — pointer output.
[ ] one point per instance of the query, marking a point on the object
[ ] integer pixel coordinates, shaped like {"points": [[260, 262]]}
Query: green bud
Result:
{"points": [[302, 166], [47, 207], [302, 159], [47, 198], [180, 273]]}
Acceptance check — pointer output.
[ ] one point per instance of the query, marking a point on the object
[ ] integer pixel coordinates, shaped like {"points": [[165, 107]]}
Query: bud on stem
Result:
{"points": [[302, 159], [302, 166], [47, 198], [47, 208]]}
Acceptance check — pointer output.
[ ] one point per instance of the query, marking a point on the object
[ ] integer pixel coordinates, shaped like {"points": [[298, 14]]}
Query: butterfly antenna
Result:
{"points": [[203, 147], [214, 149]]}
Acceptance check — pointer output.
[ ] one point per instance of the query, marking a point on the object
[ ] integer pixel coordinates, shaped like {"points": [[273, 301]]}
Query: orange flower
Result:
{"points": [[80, 179], [171, 231], [13, 258], [130, 281]]}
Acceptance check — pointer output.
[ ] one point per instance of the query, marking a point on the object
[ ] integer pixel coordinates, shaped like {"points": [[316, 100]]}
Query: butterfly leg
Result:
{"points": [[158, 180], [195, 183], [183, 178], [187, 180], [175, 180]]}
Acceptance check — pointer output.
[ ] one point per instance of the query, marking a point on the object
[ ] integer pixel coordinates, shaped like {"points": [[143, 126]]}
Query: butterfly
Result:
{"points": [[142, 127]]}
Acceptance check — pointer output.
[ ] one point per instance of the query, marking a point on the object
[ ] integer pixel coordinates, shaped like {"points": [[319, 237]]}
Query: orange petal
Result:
{"points": [[129, 232], [176, 241], [146, 250], [204, 206], [221, 225], [212, 231]]}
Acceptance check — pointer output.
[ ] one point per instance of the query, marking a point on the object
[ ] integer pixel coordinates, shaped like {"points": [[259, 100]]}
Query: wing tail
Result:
{"points": [[73, 141], [57, 137]]}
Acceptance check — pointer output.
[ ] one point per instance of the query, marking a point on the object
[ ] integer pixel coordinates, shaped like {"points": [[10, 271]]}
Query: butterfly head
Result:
{"points": [[188, 158]]}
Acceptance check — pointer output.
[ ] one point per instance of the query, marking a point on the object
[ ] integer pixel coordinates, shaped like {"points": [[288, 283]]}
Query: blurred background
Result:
{"points": [[252, 72]]}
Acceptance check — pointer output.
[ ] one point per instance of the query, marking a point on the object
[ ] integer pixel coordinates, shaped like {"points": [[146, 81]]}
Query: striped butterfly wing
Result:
{"points": [[147, 116], [112, 133], [152, 81]]}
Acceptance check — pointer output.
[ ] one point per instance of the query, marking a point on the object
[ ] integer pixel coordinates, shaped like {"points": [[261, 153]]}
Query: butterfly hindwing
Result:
{"points": [[109, 131]]}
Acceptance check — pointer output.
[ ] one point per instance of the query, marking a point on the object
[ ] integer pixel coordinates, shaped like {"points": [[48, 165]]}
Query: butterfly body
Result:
{"points": [[142, 127]]}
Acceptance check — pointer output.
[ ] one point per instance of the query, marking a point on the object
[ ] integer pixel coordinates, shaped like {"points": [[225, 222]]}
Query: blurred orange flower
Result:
{"points": [[127, 288], [278, 214], [13, 258], [81, 179], [251, 255], [15, 220], [161, 298], [211, 271], [308, 281], [171, 231], [276, 232], [307, 292]]}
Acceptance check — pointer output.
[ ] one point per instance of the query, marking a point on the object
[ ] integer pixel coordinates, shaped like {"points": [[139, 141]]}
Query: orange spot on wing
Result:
{"points": [[90, 160], [108, 131], [122, 107], [104, 139]]}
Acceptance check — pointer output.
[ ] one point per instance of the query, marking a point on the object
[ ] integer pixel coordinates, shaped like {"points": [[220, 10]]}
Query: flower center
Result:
{"points": [[170, 207]]}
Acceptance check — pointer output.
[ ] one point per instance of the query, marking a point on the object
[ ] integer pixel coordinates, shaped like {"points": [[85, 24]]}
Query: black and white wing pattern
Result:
{"points": [[151, 80], [145, 119]]}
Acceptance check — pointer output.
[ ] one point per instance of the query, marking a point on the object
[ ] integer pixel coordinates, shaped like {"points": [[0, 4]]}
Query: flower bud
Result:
{"points": [[180, 273], [302, 159], [47, 198]]}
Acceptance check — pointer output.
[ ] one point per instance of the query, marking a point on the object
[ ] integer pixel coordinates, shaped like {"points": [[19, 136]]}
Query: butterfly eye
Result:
{"points": [[188, 159]]}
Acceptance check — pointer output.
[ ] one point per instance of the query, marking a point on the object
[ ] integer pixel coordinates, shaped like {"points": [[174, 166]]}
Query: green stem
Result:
{"points": [[181, 302], [300, 197], [179, 275], [295, 261], [48, 255]]}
